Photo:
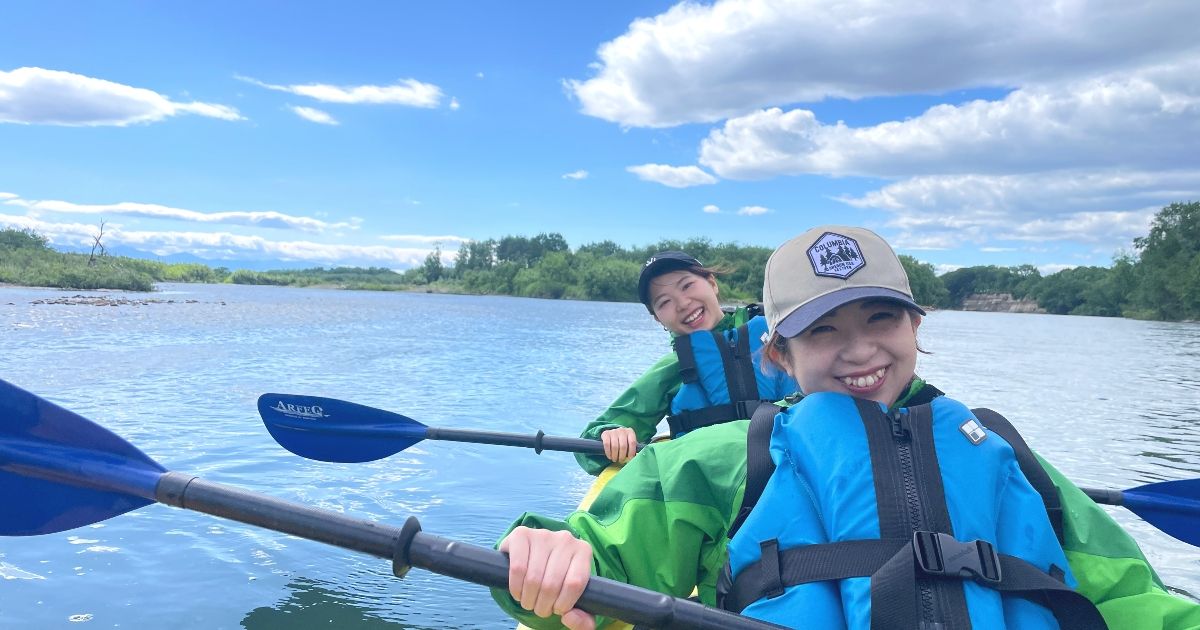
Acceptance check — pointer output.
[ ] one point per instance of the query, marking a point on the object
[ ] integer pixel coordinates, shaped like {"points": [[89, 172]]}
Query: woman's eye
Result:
{"points": [[688, 285], [881, 316], [819, 329]]}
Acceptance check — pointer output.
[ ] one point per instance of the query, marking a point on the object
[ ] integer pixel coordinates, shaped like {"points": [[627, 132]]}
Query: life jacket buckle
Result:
{"points": [[941, 554]]}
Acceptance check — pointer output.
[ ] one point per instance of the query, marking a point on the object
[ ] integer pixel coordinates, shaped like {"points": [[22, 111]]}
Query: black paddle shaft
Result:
{"points": [[409, 546], [539, 442]]}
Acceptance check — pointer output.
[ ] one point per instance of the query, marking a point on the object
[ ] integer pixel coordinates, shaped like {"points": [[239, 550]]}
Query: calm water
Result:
{"points": [[1113, 403]]}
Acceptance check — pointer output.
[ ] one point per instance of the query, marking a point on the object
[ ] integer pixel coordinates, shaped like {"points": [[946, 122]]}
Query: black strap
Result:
{"points": [[896, 567], [692, 419], [1030, 466], [687, 358], [740, 378], [759, 466]]}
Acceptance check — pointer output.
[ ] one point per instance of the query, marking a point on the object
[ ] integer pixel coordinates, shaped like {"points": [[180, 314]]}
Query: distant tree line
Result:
{"points": [[1159, 279]]}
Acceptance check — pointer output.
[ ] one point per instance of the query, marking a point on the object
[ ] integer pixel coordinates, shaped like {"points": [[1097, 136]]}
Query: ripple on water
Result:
{"points": [[1111, 403]]}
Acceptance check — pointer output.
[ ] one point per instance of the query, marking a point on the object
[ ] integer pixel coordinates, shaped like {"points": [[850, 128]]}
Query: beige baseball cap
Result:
{"points": [[826, 267]]}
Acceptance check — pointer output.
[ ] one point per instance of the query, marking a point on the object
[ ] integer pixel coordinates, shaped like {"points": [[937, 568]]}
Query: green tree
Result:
{"points": [[927, 287], [1168, 269], [432, 267]]}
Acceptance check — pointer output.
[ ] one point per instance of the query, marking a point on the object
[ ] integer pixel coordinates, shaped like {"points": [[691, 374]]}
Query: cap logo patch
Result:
{"points": [[973, 431], [835, 256]]}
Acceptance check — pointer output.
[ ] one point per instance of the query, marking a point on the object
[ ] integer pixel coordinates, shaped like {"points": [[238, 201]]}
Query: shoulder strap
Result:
{"points": [[687, 358], [1030, 466], [759, 466]]}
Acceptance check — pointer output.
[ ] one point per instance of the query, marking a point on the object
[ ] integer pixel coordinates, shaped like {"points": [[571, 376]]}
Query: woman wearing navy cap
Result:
{"points": [[707, 378]]}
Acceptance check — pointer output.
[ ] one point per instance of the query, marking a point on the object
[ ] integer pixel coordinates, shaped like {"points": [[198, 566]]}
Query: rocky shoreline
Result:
{"points": [[107, 300], [999, 303]]}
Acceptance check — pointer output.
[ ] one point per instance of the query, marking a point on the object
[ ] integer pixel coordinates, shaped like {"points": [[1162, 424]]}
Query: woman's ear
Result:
{"points": [[713, 281], [916, 321]]}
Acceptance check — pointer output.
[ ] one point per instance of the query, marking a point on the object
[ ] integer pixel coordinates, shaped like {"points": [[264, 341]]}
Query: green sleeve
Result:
{"points": [[1111, 569], [661, 523], [641, 408]]}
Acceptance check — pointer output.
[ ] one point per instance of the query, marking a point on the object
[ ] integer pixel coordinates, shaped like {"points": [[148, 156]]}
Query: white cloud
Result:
{"points": [[711, 209], [424, 239], [702, 63], [410, 92], [673, 176], [580, 174], [454, 103], [1053, 268], [8, 195], [752, 211], [478, 75], [154, 211], [223, 246], [36, 96], [314, 115], [1149, 120]]}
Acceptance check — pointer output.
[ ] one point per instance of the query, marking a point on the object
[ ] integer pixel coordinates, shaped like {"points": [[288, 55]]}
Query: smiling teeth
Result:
{"points": [[691, 318], [864, 381]]}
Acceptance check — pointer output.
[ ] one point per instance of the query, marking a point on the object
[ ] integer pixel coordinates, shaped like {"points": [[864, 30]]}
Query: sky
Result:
{"points": [[370, 133]]}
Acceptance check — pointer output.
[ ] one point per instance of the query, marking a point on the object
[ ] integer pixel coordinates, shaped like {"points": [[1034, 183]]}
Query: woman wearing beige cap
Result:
{"points": [[883, 503]]}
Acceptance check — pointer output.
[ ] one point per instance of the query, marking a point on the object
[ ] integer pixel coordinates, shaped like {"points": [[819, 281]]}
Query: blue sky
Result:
{"points": [[369, 132]]}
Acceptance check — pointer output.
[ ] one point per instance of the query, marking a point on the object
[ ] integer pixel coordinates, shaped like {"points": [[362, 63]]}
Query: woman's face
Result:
{"points": [[866, 349], [685, 302]]}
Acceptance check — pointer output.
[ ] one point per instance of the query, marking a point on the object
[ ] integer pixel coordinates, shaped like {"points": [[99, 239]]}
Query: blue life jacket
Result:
{"points": [[722, 377], [914, 518]]}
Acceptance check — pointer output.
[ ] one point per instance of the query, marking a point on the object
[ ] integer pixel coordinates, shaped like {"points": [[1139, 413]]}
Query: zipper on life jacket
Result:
{"points": [[912, 500]]}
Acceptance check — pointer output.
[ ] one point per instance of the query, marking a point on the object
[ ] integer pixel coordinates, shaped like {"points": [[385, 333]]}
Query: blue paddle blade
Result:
{"points": [[332, 430], [59, 471], [1172, 506]]}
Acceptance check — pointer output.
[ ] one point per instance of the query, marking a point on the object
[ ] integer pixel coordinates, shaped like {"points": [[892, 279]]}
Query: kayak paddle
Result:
{"points": [[64, 471], [1171, 506], [332, 430]]}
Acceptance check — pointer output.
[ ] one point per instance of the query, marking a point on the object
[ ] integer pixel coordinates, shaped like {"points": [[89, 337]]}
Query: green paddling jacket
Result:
{"points": [[646, 402], [662, 524]]}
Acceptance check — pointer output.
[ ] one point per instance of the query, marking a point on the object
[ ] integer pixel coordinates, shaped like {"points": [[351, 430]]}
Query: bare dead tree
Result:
{"points": [[97, 245]]}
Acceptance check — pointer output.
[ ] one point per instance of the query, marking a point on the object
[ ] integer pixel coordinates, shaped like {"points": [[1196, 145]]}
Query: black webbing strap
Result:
{"points": [[810, 563], [1030, 466], [692, 419], [759, 466], [687, 358], [739, 371], [896, 565]]}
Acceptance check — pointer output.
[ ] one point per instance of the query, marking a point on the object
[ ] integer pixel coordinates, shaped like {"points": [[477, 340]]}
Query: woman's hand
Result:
{"points": [[620, 444], [547, 572]]}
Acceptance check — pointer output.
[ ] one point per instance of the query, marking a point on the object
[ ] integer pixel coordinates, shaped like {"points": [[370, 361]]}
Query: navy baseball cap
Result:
{"points": [[657, 265]]}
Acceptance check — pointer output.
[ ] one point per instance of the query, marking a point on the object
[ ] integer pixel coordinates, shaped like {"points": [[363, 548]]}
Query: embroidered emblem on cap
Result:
{"points": [[835, 256], [973, 431]]}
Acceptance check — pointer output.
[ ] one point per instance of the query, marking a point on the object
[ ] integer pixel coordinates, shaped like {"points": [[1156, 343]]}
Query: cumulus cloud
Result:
{"points": [[711, 209], [410, 92], [8, 195], [673, 176], [752, 211], [267, 219], [1150, 120], [1106, 209], [314, 115], [703, 63], [36, 96], [454, 103], [580, 174], [423, 239]]}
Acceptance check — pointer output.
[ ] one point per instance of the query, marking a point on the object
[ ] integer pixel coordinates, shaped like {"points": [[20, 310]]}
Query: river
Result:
{"points": [[1112, 403]]}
